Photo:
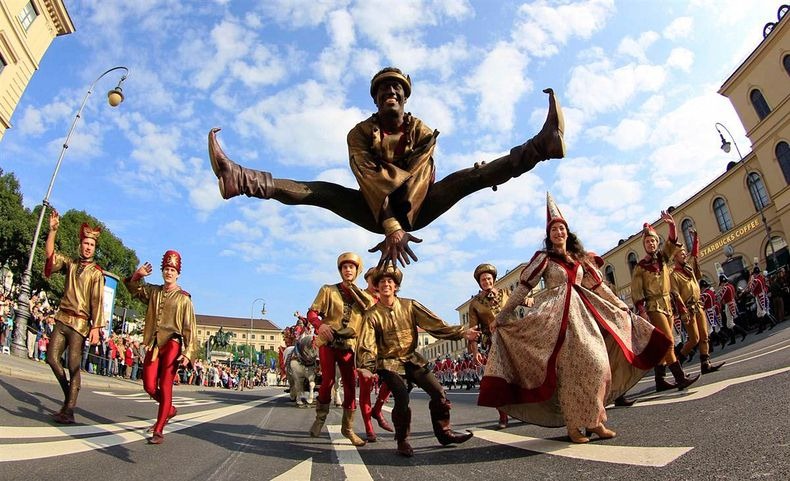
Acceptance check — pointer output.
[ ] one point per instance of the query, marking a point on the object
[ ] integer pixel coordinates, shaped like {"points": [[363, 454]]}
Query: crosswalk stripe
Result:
{"points": [[347, 456]]}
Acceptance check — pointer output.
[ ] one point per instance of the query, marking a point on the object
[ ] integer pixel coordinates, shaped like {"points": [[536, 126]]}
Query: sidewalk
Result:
{"points": [[23, 368]]}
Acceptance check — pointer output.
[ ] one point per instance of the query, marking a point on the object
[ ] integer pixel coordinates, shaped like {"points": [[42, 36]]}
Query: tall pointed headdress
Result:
{"points": [[553, 213]]}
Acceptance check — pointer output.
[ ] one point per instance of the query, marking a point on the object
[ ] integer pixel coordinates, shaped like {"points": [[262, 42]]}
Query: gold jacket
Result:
{"points": [[169, 314], [686, 286], [82, 304], [482, 310], [388, 339], [650, 281], [379, 171], [342, 311]]}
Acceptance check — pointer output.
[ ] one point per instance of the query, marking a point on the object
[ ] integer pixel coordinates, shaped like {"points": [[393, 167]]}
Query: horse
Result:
{"points": [[302, 362]]}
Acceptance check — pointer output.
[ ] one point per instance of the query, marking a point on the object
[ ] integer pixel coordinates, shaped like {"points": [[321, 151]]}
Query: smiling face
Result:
{"points": [[170, 275], [558, 235], [486, 281], [387, 287], [87, 248], [348, 271], [390, 98], [681, 255]]}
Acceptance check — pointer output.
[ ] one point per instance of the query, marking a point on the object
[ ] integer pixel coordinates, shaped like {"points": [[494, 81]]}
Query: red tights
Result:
{"points": [[344, 358], [158, 375]]}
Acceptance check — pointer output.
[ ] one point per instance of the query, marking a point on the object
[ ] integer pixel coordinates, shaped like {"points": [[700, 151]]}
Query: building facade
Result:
{"points": [[260, 334], [744, 214], [27, 28]]}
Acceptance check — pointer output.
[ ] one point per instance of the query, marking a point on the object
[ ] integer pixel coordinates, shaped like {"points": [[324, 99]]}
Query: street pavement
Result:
{"points": [[731, 425]]}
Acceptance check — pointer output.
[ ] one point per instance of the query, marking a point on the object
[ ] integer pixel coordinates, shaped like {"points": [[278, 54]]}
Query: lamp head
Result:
{"points": [[726, 146], [115, 96]]}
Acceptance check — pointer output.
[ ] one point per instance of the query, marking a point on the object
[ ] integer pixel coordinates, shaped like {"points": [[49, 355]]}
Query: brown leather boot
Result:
{"points": [[440, 418], [402, 424], [321, 412], [65, 416], [682, 381], [661, 383], [347, 428], [232, 178], [707, 367], [548, 144], [376, 414]]}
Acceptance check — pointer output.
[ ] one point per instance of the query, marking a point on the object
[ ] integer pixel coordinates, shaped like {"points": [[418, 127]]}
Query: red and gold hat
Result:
{"points": [[394, 74], [172, 259], [88, 232], [553, 213], [648, 231]]}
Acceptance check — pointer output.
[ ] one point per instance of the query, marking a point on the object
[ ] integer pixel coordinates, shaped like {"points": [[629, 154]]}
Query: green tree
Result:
{"points": [[16, 226]]}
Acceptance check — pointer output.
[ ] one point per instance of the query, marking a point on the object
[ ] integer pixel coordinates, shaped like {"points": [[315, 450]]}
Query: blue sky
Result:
{"points": [[286, 80]]}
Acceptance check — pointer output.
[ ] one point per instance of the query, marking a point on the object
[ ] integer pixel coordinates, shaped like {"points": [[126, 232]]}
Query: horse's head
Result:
{"points": [[307, 348]]}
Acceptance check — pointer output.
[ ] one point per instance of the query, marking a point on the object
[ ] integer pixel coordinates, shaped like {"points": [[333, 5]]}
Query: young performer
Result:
{"points": [[759, 289], [651, 293], [685, 287], [366, 385], [388, 346], [575, 351], [80, 313], [335, 312], [169, 334], [728, 300]]}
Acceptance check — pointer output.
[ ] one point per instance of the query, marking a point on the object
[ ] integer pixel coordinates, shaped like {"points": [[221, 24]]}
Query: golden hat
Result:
{"points": [[389, 271], [88, 232], [482, 269], [352, 258], [390, 73]]}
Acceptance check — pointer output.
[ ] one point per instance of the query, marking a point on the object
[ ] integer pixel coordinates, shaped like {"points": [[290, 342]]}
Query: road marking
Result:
{"points": [[178, 401], [127, 433], [347, 455], [301, 472], [633, 455], [694, 394]]}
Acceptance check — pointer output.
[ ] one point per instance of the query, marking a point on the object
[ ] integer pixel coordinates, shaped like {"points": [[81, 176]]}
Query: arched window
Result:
{"points": [[687, 226], [631, 262], [609, 272], [757, 190], [783, 157], [723, 217], [786, 61], [759, 104]]}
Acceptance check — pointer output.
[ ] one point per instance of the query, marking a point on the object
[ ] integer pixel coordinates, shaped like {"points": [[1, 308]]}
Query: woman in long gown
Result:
{"points": [[577, 349]]}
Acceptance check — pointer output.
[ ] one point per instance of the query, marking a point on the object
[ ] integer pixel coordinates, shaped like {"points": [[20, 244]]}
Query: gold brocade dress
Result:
{"points": [[577, 349]]}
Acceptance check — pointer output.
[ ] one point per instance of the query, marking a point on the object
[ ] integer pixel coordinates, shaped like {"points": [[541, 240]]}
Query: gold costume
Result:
{"points": [[381, 169], [341, 308], [482, 311], [389, 336], [685, 287], [650, 282], [170, 314], [82, 305]]}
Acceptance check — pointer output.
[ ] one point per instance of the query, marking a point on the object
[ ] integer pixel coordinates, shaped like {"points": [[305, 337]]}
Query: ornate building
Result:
{"points": [[27, 28], [261, 334], [744, 214]]}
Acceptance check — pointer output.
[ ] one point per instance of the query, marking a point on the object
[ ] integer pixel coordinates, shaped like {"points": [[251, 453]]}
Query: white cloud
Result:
{"points": [[499, 81], [680, 58], [598, 87], [680, 28], [636, 47]]}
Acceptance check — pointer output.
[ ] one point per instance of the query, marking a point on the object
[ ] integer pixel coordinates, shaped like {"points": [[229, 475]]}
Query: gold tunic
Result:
{"points": [[483, 309], [169, 314], [389, 337], [650, 282], [82, 305], [342, 311], [380, 172], [686, 287]]}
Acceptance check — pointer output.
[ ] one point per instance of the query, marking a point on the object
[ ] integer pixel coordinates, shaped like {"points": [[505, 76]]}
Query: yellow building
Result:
{"points": [[261, 334], [745, 212], [27, 28]]}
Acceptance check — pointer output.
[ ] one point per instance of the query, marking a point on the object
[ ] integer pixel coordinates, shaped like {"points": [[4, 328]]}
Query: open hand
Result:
{"points": [[54, 220], [395, 248]]}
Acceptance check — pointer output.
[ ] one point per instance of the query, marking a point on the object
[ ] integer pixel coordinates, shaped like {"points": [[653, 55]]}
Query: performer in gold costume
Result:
{"points": [[651, 293], [335, 314], [169, 334], [80, 313], [388, 346]]}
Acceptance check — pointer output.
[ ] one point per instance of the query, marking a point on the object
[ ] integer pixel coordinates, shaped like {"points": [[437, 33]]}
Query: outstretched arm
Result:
{"points": [[395, 246]]}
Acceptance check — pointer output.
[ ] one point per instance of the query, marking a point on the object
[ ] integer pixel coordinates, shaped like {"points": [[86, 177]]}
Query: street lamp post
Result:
{"points": [[726, 147], [249, 334], [19, 348]]}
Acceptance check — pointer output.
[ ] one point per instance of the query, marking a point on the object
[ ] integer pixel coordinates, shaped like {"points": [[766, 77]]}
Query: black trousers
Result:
{"points": [[420, 376]]}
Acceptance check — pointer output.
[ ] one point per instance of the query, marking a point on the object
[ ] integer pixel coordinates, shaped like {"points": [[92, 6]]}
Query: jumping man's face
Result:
{"points": [[348, 271], [486, 281], [87, 248], [390, 97]]}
